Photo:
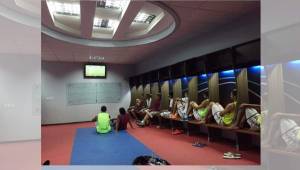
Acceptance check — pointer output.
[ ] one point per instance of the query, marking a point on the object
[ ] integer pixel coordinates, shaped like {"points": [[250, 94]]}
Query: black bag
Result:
{"points": [[149, 160]]}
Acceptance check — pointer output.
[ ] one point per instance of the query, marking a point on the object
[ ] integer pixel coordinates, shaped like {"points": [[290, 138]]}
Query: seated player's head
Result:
{"points": [[103, 109], [185, 93], [158, 95], [205, 95], [122, 111], [233, 94], [171, 96], [148, 95]]}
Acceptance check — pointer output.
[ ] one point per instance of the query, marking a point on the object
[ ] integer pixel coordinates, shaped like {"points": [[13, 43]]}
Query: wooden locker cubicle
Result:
{"points": [[164, 76]]}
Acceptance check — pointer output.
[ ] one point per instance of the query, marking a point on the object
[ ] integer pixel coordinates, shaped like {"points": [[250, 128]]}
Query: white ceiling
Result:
{"points": [[196, 18]]}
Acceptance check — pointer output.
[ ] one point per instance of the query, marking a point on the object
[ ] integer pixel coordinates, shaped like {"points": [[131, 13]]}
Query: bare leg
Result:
{"points": [[240, 119], [174, 112], [189, 108], [146, 118], [132, 113], [209, 116], [192, 106]]}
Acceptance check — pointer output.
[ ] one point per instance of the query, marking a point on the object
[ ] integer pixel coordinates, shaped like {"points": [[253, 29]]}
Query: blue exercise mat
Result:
{"points": [[120, 148]]}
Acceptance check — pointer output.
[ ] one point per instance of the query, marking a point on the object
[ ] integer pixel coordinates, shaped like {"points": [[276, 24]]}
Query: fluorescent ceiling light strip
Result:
{"points": [[144, 18], [117, 4], [98, 22], [64, 8]]}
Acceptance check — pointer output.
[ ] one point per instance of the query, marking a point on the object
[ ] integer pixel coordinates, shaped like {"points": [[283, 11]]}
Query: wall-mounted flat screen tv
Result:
{"points": [[95, 71]]}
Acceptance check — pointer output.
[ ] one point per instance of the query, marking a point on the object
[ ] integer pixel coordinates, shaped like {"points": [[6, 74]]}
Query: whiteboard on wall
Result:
{"points": [[81, 93], [93, 93], [109, 92]]}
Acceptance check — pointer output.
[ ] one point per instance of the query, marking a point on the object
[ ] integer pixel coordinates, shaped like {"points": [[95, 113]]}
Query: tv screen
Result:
{"points": [[95, 71]]}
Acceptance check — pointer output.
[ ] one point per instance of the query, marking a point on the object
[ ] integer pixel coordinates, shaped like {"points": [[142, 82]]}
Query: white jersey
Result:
{"points": [[148, 102], [290, 133], [182, 107], [171, 103]]}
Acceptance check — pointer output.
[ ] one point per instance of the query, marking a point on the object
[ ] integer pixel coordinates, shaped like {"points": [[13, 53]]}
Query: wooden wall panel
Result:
{"points": [[154, 90], [133, 95], [213, 87], [165, 95], [177, 89], [147, 89], [242, 87], [193, 89], [140, 91]]}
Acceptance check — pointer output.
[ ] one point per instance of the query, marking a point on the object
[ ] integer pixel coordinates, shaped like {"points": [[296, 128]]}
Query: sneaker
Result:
{"points": [[200, 145], [177, 132], [230, 155], [140, 123]]}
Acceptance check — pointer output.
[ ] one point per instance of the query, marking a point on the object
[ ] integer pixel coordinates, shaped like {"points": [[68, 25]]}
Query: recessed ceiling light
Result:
{"points": [[104, 23], [63, 8], [116, 4], [144, 18]]}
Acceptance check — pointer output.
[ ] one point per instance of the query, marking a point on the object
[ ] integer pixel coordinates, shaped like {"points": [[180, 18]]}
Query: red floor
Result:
{"points": [[57, 143], [20, 155]]}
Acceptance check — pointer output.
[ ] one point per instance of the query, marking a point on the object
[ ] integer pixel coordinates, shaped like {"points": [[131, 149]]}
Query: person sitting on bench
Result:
{"points": [[181, 106], [200, 111], [103, 121], [152, 111], [146, 103], [134, 110], [224, 117], [167, 113], [122, 120], [249, 113]]}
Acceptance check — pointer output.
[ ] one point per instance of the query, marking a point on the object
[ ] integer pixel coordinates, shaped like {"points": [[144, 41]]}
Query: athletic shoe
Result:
{"points": [[177, 132], [140, 124], [200, 145], [230, 155]]}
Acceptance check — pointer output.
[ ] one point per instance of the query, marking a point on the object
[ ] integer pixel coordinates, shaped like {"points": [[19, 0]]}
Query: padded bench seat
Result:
{"points": [[243, 136], [214, 125], [195, 122], [248, 132]]}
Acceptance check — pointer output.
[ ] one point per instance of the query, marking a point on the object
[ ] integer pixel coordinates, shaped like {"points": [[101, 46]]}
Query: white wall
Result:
{"points": [[55, 77], [240, 31], [20, 78]]}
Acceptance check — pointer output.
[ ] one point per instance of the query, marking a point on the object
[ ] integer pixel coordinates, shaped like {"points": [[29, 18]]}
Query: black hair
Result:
{"points": [[205, 94], [171, 95], [103, 109], [234, 92], [184, 91], [158, 95], [122, 111]]}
